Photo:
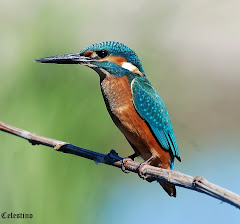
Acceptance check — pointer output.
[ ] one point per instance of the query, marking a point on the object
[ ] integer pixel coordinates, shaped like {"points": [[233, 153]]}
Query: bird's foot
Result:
{"points": [[140, 170], [125, 160], [141, 174], [123, 165]]}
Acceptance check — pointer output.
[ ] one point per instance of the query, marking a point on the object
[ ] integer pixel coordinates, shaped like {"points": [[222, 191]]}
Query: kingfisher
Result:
{"points": [[133, 104]]}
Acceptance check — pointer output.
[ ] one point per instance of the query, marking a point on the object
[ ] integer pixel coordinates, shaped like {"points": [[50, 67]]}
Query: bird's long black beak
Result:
{"points": [[65, 59]]}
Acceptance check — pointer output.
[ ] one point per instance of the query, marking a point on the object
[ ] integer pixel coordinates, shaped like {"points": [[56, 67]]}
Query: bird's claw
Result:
{"points": [[148, 178], [124, 161], [140, 170]]}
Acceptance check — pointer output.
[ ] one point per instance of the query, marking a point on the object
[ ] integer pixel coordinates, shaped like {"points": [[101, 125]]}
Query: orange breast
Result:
{"points": [[118, 99]]}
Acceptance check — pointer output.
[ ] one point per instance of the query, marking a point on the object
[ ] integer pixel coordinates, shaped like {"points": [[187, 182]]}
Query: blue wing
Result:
{"points": [[151, 108]]}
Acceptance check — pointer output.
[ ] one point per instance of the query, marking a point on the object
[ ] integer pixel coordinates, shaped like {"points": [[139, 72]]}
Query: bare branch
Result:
{"points": [[199, 184]]}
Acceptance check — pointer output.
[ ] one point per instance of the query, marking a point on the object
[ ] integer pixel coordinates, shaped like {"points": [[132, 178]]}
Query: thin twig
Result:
{"points": [[199, 184]]}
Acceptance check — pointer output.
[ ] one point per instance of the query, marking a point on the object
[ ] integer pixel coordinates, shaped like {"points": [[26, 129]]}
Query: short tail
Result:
{"points": [[169, 188]]}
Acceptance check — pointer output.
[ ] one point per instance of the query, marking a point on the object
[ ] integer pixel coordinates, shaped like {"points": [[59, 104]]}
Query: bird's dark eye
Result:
{"points": [[102, 53]]}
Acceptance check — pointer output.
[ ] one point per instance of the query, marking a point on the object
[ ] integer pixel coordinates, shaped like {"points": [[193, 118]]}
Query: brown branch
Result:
{"points": [[199, 184]]}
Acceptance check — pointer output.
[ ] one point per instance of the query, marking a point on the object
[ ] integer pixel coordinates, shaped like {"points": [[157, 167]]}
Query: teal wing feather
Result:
{"points": [[151, 108]]}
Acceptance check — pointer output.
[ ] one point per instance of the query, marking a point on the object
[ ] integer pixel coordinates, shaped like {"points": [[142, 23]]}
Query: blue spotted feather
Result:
{"points": [[151, 108]]}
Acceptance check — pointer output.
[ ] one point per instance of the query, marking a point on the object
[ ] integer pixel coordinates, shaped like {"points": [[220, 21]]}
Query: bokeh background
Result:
{"points": [[190, 51]]}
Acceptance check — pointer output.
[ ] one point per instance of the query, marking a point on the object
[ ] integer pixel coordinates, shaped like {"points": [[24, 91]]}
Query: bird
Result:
{"points": [[132, 102]]}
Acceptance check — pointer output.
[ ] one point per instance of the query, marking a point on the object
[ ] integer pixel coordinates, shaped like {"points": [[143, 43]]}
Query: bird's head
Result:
{"points": [[107, 58]]}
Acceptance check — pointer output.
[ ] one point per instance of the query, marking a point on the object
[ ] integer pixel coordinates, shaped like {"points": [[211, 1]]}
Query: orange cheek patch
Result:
{"points": [[115, 59]]}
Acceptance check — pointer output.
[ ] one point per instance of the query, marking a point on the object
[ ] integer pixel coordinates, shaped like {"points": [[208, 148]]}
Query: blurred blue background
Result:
{"points": [[190, 50]]}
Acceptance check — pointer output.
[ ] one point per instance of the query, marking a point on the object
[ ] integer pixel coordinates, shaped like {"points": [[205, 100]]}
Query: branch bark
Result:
{"points": [[197, 183]]}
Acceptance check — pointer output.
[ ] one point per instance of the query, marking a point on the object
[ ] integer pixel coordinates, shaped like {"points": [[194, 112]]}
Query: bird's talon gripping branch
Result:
{"points": [[123, 165], [129, 158], [141, 169], [141, 174]]}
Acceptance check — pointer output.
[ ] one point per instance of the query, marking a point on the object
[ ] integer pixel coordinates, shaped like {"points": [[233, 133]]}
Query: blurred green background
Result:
{"points": [[190, 50]]}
